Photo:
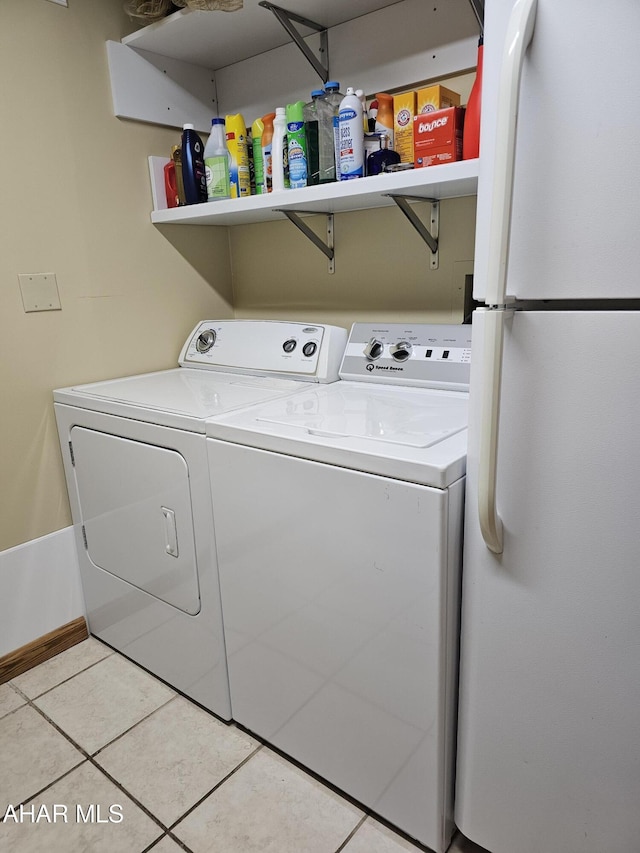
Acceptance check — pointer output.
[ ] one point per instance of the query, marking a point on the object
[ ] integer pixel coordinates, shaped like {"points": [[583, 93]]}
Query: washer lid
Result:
{"points": [[180, 397], [415, 434]]}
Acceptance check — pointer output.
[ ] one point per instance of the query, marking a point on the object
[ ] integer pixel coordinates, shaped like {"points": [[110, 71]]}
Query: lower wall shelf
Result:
{"points": [[450, 180]]}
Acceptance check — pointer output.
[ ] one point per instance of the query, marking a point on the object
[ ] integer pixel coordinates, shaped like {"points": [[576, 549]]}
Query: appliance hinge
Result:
{"points": [[73, 458], [286, 19], [430, 237], [84, 538], [326, 248]]}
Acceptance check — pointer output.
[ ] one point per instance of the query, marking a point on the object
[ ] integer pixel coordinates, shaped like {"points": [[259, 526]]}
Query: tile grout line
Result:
{"points": [[155, 843], [64, 680], [89, 758], [50, 784], [352, 833], [131, 728], [216, 786], [130, 796]]}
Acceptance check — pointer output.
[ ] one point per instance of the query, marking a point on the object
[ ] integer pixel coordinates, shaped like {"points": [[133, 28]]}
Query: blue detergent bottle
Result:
{"points": [[193, 172]]}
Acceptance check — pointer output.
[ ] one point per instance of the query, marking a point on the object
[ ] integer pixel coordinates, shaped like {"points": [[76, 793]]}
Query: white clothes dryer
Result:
{"points": [[340, 569], [135, 461]]}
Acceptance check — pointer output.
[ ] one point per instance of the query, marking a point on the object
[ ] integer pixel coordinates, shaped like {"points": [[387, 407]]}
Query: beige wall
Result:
{"points": [[382, 268], [76, 201]]}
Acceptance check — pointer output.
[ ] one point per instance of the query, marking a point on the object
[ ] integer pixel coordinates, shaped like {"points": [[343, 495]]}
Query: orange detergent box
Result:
{"points": [[404, 109], [436, 98], [437, 137]]}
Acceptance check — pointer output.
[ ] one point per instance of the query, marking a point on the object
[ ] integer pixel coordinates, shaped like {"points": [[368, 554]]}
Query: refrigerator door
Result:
{"points": [[549, 729], [577, 159]]}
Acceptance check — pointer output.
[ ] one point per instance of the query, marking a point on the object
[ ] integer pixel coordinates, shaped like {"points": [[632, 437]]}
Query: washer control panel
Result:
{"points": [[433, 355], [295, 350]]}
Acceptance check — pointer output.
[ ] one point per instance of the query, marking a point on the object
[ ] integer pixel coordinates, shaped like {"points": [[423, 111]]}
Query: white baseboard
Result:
{"points": [[40, 589]]}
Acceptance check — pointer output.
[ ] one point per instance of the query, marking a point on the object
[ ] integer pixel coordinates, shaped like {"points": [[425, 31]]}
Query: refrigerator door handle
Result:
{"points": [[490, 523], [519, 34], [518, 38]]}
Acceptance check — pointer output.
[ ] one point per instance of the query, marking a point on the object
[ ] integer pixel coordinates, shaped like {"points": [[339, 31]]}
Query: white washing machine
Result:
{"points": [[340, 569], [135, 460]]}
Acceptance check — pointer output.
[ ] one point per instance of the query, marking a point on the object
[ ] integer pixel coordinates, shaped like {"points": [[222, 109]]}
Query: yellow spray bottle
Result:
{"points": [[239, 175]]}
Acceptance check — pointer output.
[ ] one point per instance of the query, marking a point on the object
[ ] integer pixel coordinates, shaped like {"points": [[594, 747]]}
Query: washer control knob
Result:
{"points": [[310, 348], [205, 340], [290, 345], [374, 349], [400, 351]]}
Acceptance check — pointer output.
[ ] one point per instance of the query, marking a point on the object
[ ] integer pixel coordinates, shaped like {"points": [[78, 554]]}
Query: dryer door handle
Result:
{"points": [[170, 532]]}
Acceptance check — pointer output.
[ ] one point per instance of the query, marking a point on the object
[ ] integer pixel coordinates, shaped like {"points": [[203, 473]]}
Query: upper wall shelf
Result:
{"points": [[195, 65], [450, 180], [217, 39]]}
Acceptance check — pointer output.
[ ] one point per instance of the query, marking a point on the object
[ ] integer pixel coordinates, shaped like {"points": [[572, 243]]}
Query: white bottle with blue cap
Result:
{"points": [[351, 140]]}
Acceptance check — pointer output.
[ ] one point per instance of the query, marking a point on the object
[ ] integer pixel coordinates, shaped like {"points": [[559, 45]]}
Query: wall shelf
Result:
{"points": [[450, 180], [194, 65], [214, 40], [199, 63]]}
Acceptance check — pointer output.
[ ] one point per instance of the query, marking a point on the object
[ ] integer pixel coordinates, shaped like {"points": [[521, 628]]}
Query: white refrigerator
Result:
{"points": [[549, 706]]}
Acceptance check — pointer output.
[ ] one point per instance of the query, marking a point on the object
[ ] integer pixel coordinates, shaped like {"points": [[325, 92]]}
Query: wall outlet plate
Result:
{"points": [[39, 291]]}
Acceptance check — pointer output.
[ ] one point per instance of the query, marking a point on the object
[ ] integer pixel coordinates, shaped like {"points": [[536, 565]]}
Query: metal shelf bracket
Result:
{"points": [[326, 248], [286, 19], [430, 237]]}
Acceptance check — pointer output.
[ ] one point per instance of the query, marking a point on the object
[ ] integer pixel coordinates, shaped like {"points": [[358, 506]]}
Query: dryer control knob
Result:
{"points": [[400, 351], [310, 348], [205, 340], [374, 349], [289, 345]]}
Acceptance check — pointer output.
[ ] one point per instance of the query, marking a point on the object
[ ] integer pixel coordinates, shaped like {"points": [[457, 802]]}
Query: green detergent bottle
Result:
{"points": [[297, 145]]}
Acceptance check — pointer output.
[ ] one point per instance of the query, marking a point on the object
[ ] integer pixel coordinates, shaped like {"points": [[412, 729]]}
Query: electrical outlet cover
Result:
{"points": [[39, 291]]}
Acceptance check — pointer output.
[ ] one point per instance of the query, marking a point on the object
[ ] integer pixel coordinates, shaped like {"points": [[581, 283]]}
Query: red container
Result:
{"points": [[471, 141], [171, 184]]}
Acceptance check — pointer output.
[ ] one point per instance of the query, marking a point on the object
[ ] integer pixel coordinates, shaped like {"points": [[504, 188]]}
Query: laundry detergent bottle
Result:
{"points": [[351, 133], [216, 162], [193, 174]]}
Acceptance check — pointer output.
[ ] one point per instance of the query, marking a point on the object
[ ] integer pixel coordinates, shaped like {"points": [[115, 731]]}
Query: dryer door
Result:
{"points": [[136, 511]]}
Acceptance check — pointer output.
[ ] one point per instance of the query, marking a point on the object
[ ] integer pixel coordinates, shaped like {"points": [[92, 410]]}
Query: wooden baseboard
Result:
{"points": [[40, 650]]}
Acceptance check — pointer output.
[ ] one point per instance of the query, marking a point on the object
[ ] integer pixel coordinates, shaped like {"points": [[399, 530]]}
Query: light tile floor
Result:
{"points": [[97, 755]]}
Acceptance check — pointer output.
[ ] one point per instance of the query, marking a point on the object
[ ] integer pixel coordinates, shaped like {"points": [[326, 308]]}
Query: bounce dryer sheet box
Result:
{"points": [[437, 137], [436, 98], [404, 110]]}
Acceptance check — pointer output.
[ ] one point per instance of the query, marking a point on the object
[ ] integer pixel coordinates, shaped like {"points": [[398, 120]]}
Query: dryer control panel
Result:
{"points": [[430, 355], [274, 347]]}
